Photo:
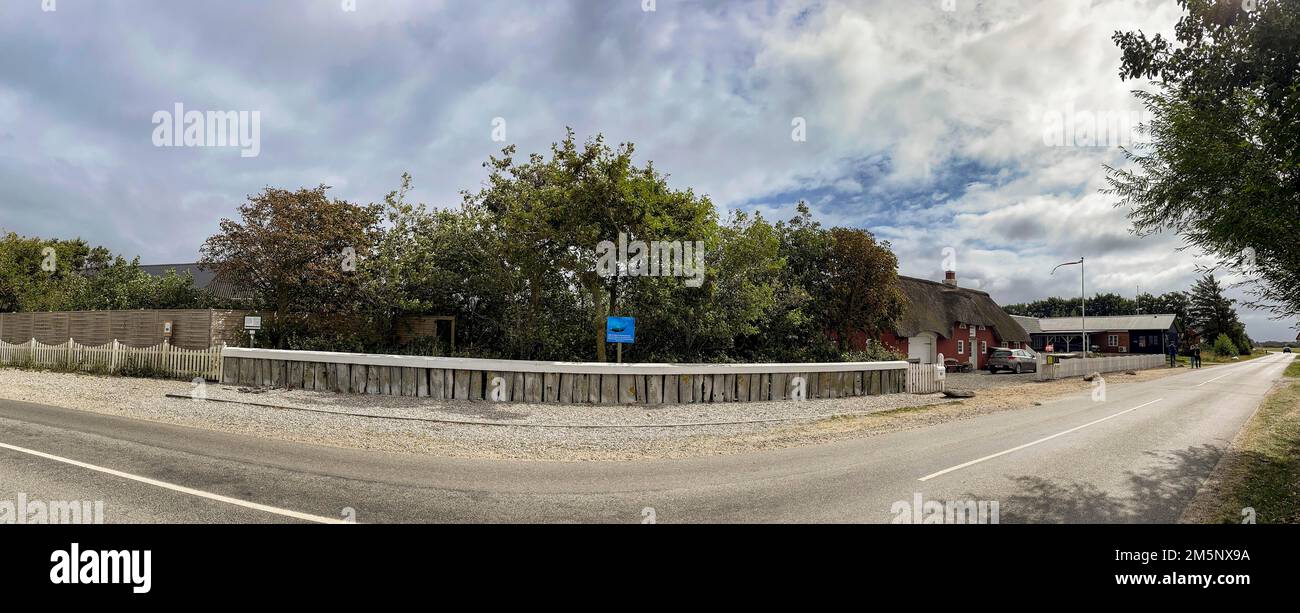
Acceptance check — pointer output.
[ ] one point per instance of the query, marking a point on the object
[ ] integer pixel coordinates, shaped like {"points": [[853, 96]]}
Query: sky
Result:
{"points": [[970, 134]]}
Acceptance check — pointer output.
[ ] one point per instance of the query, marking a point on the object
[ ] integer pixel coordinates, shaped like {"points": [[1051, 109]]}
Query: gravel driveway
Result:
{"points": [[982, 380]]}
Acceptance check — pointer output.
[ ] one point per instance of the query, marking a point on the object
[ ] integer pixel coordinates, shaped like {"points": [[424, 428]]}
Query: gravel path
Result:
{"points": [[625, 433], [983, 380], [619, 432]]}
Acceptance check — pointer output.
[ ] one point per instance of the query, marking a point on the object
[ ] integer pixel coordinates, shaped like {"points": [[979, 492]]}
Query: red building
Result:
{"points": [[955, 322]]}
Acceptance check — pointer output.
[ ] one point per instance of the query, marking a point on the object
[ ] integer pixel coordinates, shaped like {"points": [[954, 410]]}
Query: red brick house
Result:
{"points": [[939, 318]]}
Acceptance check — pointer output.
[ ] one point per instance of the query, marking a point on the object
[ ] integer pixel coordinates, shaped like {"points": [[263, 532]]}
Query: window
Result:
{"points": [[1112, 340], [984, 346], [963, 326], [981, 328], [961, 347], [1142, 341]]}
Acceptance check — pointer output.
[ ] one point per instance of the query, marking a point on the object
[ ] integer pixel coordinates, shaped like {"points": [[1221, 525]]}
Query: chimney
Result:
{"points": [[950, 278]]}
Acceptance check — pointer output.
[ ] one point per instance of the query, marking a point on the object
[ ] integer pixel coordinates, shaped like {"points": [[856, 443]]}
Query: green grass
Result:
{"points": [[1263, 470], [1212, 358], [1294, 369]]}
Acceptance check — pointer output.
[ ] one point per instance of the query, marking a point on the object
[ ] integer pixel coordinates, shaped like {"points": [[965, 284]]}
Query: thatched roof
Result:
{"points": [[935, 307]]}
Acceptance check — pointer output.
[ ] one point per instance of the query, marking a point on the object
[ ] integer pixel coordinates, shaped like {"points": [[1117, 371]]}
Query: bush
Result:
{"points": [[875, 352], [1223, 346]]}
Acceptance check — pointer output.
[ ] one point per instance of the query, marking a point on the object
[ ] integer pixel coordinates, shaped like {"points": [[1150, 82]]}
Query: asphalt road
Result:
{"points": [[1138, 456]]}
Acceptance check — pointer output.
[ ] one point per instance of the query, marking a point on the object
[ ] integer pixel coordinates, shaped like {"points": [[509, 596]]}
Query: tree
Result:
{"points": [[1224, 346], [1211, 313], [558, 211], [1223, 164], [862, 293], [78, 277], [296, 249], [1102, 305]]}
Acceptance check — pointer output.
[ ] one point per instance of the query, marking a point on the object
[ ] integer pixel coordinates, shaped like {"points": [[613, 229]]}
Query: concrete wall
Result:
{"points": [[557, 382]]}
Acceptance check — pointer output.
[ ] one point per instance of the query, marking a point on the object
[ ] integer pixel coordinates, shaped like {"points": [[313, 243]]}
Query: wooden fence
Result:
{"points": [[191, 328], [925, 378], [1078, 367], [114, 358], [558, 382]]}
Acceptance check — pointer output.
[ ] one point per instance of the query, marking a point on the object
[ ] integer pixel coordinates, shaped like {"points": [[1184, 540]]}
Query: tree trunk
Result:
{"points": [[598, 304]]}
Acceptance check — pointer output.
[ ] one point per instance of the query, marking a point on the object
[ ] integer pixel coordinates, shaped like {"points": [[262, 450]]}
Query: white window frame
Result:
{"points": [[1112, 340], [984, 347], [961, 347]]}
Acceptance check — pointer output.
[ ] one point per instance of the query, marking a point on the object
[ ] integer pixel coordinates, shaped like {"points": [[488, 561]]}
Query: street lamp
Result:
{"points": [[1083, 309]]}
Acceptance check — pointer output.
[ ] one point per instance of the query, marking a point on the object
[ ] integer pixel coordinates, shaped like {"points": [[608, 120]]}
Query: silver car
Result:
{"points": [[1012, 360]]}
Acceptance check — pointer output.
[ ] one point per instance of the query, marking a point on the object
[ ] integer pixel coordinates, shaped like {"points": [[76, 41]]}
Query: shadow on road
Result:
{"points": [[1158, 495]]}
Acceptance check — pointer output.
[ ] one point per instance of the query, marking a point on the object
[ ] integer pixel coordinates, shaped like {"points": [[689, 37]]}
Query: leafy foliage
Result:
{"points": [[518, 263], [1223, 346], [1223, 164], [84, 278], [1212, 315]]}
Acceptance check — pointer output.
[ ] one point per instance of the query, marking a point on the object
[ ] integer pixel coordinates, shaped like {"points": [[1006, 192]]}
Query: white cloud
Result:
{"points": [[925, 126]]}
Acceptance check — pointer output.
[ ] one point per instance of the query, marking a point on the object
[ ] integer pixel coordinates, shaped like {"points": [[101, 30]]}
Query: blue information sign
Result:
{"points": [[620, 330]]}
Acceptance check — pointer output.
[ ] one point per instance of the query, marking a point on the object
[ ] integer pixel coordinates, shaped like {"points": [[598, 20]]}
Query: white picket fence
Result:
{"points": [[114, 357], [1078, 367], [925, 378]]}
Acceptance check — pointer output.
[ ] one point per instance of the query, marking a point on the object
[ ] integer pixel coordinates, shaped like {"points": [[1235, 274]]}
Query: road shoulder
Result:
{"points": [[1258, 478]]}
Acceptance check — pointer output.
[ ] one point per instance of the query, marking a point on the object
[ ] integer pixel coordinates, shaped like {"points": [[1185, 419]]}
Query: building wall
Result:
{"points": [[1102, 341]]}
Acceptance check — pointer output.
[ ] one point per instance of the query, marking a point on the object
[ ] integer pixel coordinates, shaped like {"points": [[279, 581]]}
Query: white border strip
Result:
{"points": [[408, 361], [180, 488]]}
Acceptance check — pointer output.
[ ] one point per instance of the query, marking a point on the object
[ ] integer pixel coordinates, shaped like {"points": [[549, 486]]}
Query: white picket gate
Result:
{"points": [[925, 378], [115, 357]]}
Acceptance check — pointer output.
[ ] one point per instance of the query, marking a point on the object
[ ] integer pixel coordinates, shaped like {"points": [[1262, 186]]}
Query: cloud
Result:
{"points": [[925, 126]]}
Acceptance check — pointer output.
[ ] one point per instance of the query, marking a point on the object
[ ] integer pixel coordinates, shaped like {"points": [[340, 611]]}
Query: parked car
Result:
{"points": [[1286, 350], [1012, 360]]}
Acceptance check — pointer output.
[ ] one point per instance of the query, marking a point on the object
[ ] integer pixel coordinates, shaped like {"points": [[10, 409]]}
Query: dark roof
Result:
{"points": [[203, 279], [202, 276], [935, 307], [1030, 324]]}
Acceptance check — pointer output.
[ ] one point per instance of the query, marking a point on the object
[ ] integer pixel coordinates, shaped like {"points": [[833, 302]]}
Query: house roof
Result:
{"points": [[202, 276], [203, 279], [1113, 322], [935, 307], [1030, 324]]}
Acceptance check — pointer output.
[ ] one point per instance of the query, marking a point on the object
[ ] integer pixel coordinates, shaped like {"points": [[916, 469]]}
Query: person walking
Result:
{"points": [[1173, 355], [1196, 356]]}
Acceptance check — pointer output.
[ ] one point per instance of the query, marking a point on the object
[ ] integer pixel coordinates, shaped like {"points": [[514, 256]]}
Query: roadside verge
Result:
{"points": [[1258, 479]]}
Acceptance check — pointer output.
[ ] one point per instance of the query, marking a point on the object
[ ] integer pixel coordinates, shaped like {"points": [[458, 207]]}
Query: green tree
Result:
{"points": [[298, 251], [862, 287], [556, 212], [1222, 167], [1224, 346], [1211, 314]]}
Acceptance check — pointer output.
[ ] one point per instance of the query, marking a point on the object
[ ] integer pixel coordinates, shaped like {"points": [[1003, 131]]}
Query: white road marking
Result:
{"points": [[1031, 444], [1212, 380], [180, 488]]}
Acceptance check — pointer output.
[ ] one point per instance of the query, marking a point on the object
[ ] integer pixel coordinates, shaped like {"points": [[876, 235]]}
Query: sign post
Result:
{"points": [[620, 330], [252, 325]]}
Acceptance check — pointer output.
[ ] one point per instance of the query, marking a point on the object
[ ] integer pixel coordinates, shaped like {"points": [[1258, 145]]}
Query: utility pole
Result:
{"points": [[1083, 307]]}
